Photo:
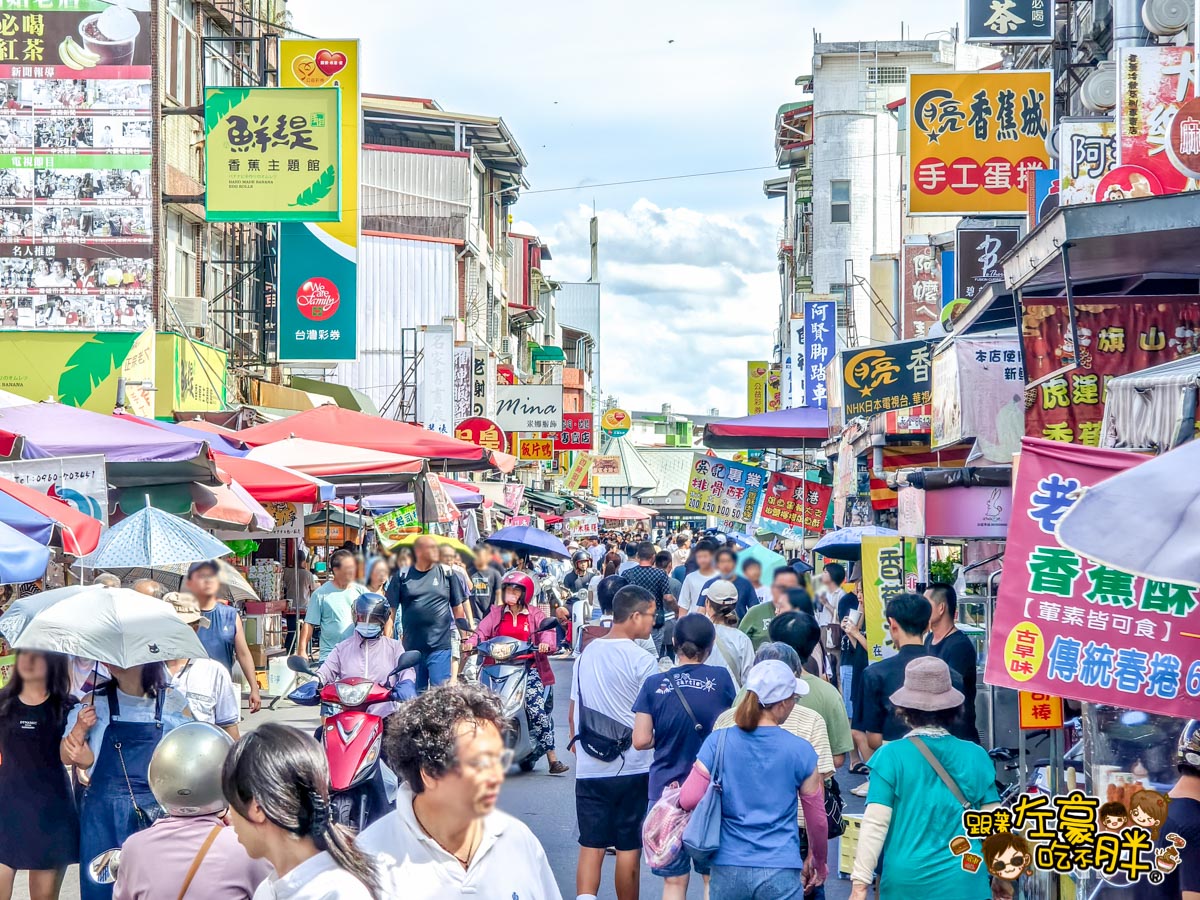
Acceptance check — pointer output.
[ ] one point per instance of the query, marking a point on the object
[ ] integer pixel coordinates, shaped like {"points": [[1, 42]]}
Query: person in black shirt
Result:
{"points": [[647, 575], [946, 642], [581, 573], [485, 582], [430, 598], [1183, 821]]}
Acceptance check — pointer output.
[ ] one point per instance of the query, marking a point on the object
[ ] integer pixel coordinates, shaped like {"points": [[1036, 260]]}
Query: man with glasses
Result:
{"points": [[446, 837]]}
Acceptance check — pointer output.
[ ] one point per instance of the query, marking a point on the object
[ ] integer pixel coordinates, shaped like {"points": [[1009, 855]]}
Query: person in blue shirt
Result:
{"points": [[759, 850], [676, 731], [726, 560], [223, 637]]}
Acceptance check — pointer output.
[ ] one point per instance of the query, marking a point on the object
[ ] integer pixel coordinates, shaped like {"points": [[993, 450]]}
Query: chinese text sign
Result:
{"points": [[724, 489], [756, 386], [921, 283], [795, 501], [820, 346], [882, 579], [973, 139], [1010, 21], [886, 377], [978, 256]]}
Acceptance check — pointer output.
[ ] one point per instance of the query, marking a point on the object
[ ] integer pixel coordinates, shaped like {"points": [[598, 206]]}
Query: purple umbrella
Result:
{"points": [[66, 431]]}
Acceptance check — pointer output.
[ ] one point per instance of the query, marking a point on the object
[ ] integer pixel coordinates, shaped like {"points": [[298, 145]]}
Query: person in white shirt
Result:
{"points": [[446, 838], [610, 795], [205, 682], [733, 649], [276, 782], [693, 584]]}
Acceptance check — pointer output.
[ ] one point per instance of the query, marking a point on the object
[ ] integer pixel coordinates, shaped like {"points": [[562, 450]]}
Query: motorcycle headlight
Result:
{"points": [[353, 694], [369, 760], [501, 652]]}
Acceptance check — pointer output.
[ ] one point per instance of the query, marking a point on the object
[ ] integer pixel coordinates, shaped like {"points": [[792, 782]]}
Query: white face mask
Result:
{"points": [[369, 630]]}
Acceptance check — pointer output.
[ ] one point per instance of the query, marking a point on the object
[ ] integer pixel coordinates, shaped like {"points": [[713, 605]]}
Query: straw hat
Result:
{"points": [[927, 686], [187, 608]]}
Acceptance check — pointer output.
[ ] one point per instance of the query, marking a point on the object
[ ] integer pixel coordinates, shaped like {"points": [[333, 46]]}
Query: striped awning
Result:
{"points": [[919, 456]]}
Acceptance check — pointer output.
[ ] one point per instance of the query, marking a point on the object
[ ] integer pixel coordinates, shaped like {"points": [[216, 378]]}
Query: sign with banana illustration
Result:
{"points": [[272, 154]]}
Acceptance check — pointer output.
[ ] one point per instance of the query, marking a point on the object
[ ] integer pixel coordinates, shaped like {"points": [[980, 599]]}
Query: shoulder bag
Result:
{"points": [[702, 836], [200, 854], [941, 771], [687, 707], [601, 736], [729, 664]]}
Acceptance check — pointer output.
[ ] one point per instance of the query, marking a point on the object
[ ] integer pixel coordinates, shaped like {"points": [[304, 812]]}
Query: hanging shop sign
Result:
{"points": [[1157, 122], [974, 137], [78, 242], [795, 366], [505, 375], [756, 386], [463, 358], [1078, 629], [727, 490], [820, 348], [484, 432], [616, 422], [882, 579], [577, 478], [922, 289], [979, 392], [1115, 339], [391, 527], [80, 482], [583, 526], [885, 377], [978, 257], [443, 507], [535, 449], [190, 376], [606, 465], [272, 154], [435, 394], [529, 407], [774, 388], [974, 511], [796, 501], [1010, 21], [1087, 153], [1043, 199], [513, 521], [483, 382], [576, 432], [318, 260], [514, 495], [1039, 711]]}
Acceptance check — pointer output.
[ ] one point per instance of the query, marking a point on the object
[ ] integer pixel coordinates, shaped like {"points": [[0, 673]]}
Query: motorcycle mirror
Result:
{"points": [[299, 664], [408, 659], [103, 868]]}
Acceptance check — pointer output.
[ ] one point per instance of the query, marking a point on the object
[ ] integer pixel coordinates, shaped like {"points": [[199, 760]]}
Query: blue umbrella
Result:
{"points": [[21, 559], [846, 543], [26, 520], [1160, 495], [152, 539], [530, 541]]}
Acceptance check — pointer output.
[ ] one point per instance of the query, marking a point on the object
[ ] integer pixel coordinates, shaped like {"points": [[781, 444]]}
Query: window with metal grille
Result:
{"points": [[887, 75], [839, 201], [844, 298]]}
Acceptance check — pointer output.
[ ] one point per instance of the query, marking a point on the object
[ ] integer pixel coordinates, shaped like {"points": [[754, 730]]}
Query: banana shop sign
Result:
{"points": [[886, 377]]}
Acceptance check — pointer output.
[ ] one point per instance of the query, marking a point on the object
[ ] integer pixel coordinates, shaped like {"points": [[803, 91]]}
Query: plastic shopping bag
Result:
{"points": [[662, 830]]}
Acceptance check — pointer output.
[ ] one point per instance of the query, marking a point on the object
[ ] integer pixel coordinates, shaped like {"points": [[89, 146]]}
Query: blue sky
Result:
{"points": [[622, 90]]}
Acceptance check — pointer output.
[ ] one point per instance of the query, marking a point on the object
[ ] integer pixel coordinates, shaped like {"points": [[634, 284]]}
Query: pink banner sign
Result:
{"points": [[1067, 626]]}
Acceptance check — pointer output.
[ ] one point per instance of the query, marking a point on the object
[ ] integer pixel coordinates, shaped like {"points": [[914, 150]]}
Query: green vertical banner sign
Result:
{"points": [[318, 261]]}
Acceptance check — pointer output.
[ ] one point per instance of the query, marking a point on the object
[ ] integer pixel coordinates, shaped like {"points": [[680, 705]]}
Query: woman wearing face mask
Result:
{"points": [[369, 654], [518, 617], [276, 782]]}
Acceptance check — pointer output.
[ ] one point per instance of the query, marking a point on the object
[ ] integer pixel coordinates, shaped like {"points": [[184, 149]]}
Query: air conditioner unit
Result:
{"points": [[187, 312], [508, 347]]}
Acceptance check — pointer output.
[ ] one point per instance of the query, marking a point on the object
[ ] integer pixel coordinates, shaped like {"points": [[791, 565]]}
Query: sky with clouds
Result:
{"points": [[618, 91]]}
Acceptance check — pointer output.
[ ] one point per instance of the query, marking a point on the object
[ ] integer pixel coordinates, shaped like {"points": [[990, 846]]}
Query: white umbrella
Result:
{"points": [[116, 626], [22, 611], [234, 585]]}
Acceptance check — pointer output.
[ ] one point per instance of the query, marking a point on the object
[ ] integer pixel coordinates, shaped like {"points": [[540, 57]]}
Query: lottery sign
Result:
{"points": [[1076, 628], [727, 490], [974, 137]]}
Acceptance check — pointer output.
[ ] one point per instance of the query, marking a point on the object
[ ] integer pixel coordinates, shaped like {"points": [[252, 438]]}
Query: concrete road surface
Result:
{"points": [[544, 802]]}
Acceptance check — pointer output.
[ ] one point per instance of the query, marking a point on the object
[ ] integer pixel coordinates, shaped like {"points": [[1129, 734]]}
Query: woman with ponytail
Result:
{"points": [[277, 785]]}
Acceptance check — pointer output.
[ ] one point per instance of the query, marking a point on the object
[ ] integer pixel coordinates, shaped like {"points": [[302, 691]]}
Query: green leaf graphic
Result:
{"points": [[91, 364], [317, 191], [217, 106]]}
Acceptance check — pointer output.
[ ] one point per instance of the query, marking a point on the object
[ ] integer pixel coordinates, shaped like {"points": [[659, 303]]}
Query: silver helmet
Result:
{"points": [[185, 770]]}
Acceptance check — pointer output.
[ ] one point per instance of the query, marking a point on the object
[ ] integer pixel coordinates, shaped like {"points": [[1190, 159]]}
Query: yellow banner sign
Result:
{"points": [[535, 449], [1039, 711], [973, 139], [756, 386], [272, 154], [578, 476], [882, 579]]}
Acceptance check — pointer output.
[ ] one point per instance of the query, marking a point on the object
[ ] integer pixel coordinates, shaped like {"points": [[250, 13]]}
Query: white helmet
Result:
{"points": [[185, 770]]}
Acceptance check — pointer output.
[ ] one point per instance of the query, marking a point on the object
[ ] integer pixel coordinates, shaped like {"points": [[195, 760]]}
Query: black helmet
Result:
{"points": [[580, 555], [371, 607], [1187, 751]]}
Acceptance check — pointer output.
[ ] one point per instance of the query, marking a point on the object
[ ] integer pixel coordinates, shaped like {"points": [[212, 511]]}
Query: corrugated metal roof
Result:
{"points": [[416, 193], [671, 467]]}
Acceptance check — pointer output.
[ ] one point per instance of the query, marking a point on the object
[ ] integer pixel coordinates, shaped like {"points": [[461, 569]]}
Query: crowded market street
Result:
{"points": [[602, 452]]}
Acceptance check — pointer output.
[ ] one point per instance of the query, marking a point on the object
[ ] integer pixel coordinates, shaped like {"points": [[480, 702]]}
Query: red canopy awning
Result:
{"points": [[272, 484], [354, 429], [80, 532], [786, 428]]}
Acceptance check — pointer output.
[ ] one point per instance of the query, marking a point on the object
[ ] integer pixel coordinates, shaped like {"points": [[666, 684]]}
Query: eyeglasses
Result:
{"points": [[490, 761]]}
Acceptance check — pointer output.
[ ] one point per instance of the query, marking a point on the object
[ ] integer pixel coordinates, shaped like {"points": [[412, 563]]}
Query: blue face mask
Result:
{"points": [[369, 630]]}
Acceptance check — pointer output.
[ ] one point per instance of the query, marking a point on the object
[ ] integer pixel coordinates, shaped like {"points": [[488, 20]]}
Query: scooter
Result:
{"points": [[505, 671], [352, 738]]}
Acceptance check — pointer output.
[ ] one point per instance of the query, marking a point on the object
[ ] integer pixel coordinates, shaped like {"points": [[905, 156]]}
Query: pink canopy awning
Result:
{"points": [[321, 458]]}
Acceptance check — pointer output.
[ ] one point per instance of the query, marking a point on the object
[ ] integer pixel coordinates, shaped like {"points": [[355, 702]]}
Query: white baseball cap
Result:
{"points": [[773, 681], [720, 591]]}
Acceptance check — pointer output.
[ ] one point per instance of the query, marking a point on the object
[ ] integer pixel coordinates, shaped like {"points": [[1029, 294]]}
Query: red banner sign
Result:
{"points": [[1070, 627], [1115, 338], [483, 432], [576, 432], [921, 278], [794, 501]]}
